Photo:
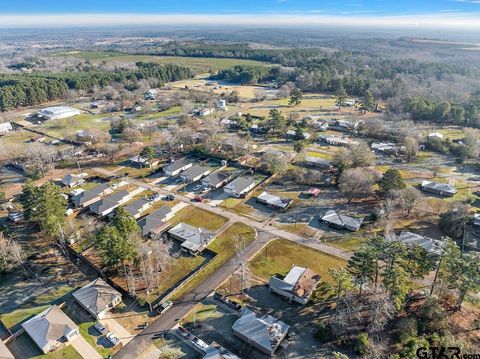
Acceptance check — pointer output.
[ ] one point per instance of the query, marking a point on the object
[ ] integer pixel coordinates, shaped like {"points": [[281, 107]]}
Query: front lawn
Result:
{"points": [[198, 217], [280, 255], [224, 246]]}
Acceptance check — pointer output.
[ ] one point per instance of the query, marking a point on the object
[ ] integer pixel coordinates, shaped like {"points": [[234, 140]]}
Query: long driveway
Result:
{"points": [[83, 348], [181, 307]]}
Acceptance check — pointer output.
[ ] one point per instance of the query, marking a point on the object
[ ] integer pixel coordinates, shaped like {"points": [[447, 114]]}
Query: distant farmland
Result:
{"points": [[198, 64]]}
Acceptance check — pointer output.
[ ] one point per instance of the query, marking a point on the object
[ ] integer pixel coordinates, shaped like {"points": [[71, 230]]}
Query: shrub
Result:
{"points": [[324, 333], [362, 346], [407, 328]]}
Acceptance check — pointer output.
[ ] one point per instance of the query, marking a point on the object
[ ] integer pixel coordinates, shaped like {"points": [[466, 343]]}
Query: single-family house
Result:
{"points": [[176, 167], [293, 134], [137, 207], [217, 179], [240, 186], [387, 147], [298, 285], [314, 161], [195, 173], [71, 180], [5, 128], [435, 135], [87, 197], [50, 329], [141, 162], [97, 298], [442, 189], [194, 239], [272, 201], [107, 204], [335, 140], [264, 333], [343, 126], [431, 245], [57, 112], [154, 223], [206, 111], [341, 221], [5, 353]]}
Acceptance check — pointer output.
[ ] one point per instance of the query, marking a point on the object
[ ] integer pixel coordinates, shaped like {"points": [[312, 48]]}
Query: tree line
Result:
{"points": [[17, 90]]}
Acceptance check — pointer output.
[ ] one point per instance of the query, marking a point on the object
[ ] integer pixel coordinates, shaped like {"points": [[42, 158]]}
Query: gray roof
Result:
{"points": [[135, 207], [69, 179], [154, 220], [138, 159], [108, 202], [49, 326], [429, 244], [195, 171], [176, 165], [342, 220], [439, 187], [90, 194], [96, 296], [317, 161], [265, 331], [193, 237], [274, 200], [217, 177], [241, 183], [300, 281]]}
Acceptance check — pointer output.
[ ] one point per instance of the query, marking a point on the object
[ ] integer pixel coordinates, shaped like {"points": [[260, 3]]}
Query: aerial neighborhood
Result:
{"points": [[238, 193]]}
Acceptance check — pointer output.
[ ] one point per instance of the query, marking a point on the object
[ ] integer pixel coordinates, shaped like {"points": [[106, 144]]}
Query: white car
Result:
{"points": [[113, 339], [100, 328]]}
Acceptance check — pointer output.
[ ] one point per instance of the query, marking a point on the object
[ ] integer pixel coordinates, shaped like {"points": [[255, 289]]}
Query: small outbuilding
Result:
{"points": [[442, 189]]}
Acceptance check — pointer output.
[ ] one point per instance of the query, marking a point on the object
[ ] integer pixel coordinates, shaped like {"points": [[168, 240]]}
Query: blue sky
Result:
{"points": [[368, 13], [342, 7]]}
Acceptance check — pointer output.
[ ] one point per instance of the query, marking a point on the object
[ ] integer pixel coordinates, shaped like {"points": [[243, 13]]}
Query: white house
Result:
{"points": [[176, 167], [50, 329], [57, 112], [240, 186], [71, 180], [298, 285], [195, 173], [222, 105]]}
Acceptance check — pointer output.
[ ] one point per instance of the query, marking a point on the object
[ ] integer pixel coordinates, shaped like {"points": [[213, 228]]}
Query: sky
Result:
{"points": [[456, 13]]}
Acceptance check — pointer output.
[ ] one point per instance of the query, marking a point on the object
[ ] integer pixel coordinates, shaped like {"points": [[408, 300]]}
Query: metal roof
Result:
{"points": [[193, 237], [438, 187], [274, 200], [265, 331], [342, 220], [429, 244]]}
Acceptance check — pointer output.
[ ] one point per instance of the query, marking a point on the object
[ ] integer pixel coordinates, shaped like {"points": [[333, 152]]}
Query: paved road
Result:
{"points": [[181, 308], [233, 217]]}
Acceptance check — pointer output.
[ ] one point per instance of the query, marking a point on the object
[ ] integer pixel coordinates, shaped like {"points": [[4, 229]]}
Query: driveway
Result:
{"points": [[117, 329], [84, 348]]}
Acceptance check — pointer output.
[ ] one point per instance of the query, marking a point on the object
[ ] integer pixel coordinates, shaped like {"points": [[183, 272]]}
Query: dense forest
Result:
{"points": [[27, 89]]}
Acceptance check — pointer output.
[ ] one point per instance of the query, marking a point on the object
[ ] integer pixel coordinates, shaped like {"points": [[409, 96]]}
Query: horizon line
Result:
{"points": [[430, 20]]}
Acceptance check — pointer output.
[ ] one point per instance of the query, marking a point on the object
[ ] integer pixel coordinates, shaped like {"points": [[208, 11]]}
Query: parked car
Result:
{"points": [[112, 338], [164, 307], [170, 197], [199, 343], [198, 199], [197, 187], [183, 332], [219, 297], [100, 328]]}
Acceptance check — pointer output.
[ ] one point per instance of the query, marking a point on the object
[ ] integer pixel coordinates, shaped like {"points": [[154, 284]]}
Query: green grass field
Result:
{"points": [[280, 255], [224, 246], [92, 340], [198, 217], [198, 64]]}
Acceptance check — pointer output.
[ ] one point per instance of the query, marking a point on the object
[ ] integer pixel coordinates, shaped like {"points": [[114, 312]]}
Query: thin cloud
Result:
{"points": [[438, 20]]}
